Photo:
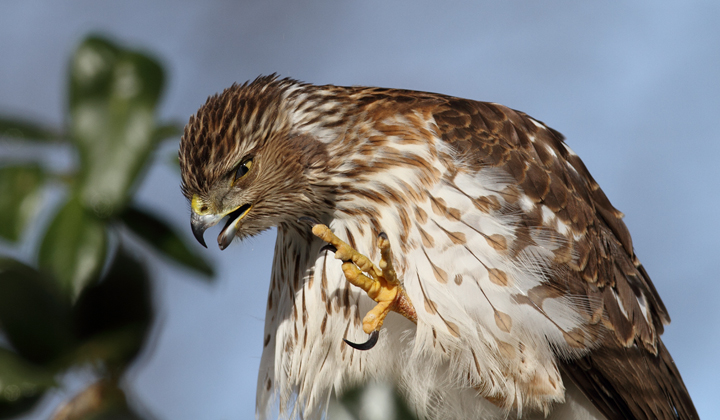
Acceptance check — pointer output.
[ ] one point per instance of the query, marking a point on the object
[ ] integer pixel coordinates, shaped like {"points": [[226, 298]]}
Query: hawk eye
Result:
{"points": [[243, 169]]}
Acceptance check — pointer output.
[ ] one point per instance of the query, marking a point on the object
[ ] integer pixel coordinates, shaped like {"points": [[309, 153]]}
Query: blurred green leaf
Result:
{"points": [[35, 317], [74, 247], [21, 383], [17, 128], [113, 95], [11, 409], [157, 233], [113, 315], [20, 188], [65, 315], [372, 400]]}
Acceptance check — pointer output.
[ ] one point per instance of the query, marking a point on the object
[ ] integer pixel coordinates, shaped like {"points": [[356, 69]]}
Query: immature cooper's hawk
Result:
{"points": [[517, 290]]}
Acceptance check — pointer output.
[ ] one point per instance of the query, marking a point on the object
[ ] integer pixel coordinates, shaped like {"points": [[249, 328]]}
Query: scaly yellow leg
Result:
{"points": [[380, 284]]}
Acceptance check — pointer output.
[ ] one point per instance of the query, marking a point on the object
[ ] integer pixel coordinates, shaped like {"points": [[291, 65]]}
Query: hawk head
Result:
{"points": [[241, 158]]}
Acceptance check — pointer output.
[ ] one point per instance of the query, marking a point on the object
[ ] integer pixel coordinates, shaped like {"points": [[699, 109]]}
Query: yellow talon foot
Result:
{"points": [[380, 283]]}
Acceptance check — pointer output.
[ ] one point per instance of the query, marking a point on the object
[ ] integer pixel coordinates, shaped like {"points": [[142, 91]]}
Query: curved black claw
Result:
{"points": [[383, 235], [366, 345], [309, 220], [329, 247]]}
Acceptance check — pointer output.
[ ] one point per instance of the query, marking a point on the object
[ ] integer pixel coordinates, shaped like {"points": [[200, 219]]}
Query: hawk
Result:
{"points": [[491, 271]]}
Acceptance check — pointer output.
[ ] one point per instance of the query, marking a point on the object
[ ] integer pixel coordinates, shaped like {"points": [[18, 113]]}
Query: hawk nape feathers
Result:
{"points": [[512, 288]]}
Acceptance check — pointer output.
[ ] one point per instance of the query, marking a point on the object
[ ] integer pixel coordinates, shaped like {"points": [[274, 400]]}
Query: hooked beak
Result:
{"points": [[200, 223]]}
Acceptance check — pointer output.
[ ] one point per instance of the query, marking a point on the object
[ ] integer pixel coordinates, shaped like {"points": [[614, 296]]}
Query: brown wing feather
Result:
{"points": [[631, 375], [632, 383]]}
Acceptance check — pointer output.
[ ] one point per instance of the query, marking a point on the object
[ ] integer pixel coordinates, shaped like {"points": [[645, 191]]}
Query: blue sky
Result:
{"points": [[635, 88]]}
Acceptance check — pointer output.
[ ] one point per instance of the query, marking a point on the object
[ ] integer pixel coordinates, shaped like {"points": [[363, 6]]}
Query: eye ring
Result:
{"points": [[243, 169]]}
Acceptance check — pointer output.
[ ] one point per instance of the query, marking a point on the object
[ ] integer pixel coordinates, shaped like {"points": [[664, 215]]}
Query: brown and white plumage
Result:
{"points": [[529, 297]]}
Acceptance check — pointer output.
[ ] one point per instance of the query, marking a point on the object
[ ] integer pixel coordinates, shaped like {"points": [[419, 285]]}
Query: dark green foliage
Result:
{"points": [[112, 317], [33, 313], [19, 198], [84, 305], [26, 130], [73, 249], [364, 402], [113, 96]]}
